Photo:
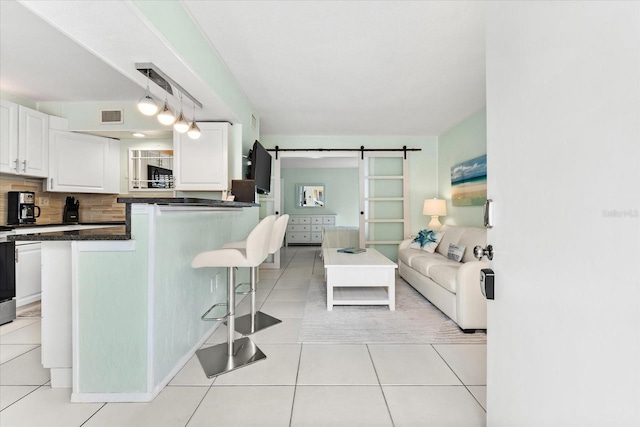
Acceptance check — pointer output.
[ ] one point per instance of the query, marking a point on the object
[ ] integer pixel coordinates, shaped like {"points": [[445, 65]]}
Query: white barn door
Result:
{"points": [[384, 201]]}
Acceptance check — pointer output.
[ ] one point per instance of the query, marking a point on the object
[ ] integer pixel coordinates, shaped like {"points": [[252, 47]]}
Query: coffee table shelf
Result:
{"points": [[364, 295]]}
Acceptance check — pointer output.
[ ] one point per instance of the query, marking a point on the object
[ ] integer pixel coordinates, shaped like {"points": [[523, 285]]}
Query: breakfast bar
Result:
{"points": [[121, 305]]}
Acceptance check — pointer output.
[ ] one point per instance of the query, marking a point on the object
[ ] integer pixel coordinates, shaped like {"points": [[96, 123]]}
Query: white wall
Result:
{"points": [[563, 144]]}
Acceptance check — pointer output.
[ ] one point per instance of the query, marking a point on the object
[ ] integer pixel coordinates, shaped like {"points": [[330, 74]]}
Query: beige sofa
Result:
{"points": [[453, 287]]}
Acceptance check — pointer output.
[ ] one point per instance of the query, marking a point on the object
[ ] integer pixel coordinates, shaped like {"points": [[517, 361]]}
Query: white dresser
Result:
{"points": [[307, 229]]}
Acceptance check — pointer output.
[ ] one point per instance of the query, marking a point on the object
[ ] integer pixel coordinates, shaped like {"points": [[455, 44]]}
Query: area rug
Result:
{"points": [[30, 312], [414, 321]]}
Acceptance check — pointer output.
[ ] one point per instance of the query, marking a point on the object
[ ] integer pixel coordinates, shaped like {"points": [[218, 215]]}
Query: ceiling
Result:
{"points": [[308, 67]]}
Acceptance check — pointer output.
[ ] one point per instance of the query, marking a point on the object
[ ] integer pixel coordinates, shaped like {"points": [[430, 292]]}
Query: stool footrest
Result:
{"points": [[214, 319], [243, 284]]}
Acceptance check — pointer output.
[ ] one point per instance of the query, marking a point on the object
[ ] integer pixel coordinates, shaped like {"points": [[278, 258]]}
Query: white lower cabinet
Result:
{"points": [[82, 163], [28, 273]]}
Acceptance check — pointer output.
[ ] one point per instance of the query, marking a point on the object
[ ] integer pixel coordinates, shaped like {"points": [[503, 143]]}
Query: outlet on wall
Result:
{"points": [[43, 201], [215, 281]]}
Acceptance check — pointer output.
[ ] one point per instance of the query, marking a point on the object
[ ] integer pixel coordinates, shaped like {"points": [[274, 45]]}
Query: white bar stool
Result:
{"points": [[257, 320], [234, 354]]}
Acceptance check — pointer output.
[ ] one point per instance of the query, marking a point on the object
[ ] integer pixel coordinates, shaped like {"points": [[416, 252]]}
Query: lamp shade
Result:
{"points": [[437, 207], [181, 125], [194, 131], [166, 116], [147, 105]]}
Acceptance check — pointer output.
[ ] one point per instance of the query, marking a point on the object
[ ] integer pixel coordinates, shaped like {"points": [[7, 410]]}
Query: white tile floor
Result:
{"points": [[297, 385]]}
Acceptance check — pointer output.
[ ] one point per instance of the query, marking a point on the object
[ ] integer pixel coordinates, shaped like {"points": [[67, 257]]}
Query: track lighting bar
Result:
{"points": [[149, 70]]}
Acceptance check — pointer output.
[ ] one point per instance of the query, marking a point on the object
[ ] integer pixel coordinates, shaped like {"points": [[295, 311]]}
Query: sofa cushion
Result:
{"points": [[456, 252], [445, 276], [426, 240], [423, 264], [472, 237], [408, 254], [451, 235]]}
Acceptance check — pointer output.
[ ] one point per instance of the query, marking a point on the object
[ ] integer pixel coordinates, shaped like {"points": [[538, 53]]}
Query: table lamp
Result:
{"points": [[435, 208]]}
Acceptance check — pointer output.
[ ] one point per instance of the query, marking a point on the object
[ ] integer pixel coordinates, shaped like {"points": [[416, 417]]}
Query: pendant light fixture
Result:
{"points": [[181, 125], [166, 115], [146, 104], [194, 130]]}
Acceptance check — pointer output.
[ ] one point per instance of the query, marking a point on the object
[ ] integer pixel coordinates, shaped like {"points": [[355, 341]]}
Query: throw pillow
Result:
{"points": [[456, 252], [427, 240]]}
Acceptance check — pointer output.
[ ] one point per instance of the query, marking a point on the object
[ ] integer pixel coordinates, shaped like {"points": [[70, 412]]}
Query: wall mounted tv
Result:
{"points": [[260, 169]]}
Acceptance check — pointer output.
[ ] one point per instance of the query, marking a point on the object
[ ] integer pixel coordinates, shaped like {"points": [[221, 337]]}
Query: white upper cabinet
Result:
{"points": [[202, 164], [8, 137], [24, 140], [83, 163]]}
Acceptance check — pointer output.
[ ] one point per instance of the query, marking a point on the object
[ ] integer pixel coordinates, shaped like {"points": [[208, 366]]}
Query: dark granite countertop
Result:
{"points": [[186, 201], [109, 233], [34, 225]]}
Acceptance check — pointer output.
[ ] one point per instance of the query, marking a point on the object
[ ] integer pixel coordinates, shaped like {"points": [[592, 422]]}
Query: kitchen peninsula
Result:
{"points": [[121, 315]]}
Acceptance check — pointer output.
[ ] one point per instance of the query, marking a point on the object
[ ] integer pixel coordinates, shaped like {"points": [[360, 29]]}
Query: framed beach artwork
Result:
{"points": [[469, 182]]}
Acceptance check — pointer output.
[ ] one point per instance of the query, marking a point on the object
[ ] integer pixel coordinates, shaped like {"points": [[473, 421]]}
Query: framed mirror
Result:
{"points": [[310, 195], [150, 170]]}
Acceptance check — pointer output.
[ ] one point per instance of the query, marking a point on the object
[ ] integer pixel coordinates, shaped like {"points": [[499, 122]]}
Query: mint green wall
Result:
{"points": [[114, 299], [340, 185], [423, 165], [182, 293], [85, 116], [464, 141], [18, 100], [176, 26], [112, 318]]}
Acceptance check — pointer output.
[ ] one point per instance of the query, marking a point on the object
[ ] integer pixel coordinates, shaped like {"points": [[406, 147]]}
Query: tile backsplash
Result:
{"points": [[93, 207]]}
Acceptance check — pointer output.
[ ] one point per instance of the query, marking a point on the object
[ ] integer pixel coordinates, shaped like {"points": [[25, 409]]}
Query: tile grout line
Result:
{"points": [[459, 379], [94, 414], [200, 403], [295, 386], [21, 354], [277, 280], [384, 396]]}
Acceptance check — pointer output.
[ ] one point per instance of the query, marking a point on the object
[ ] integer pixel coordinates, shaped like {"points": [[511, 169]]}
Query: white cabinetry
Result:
{"points": [[28, 273], [24, 140], [83, 163], [307, 229], [202, 164]]}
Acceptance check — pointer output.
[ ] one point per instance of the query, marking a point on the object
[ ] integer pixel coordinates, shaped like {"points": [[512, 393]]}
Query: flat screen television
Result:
{"points": [[260, 169]]}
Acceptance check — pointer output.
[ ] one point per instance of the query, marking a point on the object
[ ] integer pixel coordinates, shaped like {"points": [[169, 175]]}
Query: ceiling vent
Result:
{"points": [[111, 117]]}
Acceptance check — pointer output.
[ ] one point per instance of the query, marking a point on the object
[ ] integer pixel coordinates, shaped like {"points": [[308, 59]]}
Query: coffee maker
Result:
{"points": [[21, 208]]}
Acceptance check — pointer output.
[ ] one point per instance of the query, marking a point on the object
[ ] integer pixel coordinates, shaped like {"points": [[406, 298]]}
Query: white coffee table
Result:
{"points": [[367, 278]]}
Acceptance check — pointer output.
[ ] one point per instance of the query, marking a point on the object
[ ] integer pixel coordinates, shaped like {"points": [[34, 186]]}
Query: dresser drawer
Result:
{"points": [[316, 237], [304, 220], [316, 220], [298, 237], [316, 228], [298, 227], [293, 220], [329, 220]]}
